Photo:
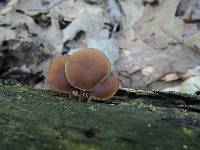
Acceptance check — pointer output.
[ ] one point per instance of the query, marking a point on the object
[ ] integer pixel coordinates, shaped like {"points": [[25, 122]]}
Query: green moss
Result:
{"points": [[40, 119], [138, 101], [152, 108], [187, 131]]}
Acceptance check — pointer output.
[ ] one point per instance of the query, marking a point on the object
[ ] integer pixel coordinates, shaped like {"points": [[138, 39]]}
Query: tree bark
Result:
{"points": [[43, 119]]}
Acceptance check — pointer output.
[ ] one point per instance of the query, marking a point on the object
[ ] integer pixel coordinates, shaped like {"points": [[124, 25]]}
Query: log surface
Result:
{"points": [[43, 119]]}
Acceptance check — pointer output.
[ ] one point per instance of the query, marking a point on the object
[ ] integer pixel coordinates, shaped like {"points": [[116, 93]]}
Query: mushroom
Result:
{"points": [[56, 75], [86, 68], [105, 89]]}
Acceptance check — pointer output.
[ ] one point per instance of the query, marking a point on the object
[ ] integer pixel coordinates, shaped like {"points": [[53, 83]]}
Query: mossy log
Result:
{"points": [[43, 119]]}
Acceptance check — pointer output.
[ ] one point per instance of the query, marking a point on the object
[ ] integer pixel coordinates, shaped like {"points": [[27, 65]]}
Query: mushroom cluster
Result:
{"points": [[87, 71]]}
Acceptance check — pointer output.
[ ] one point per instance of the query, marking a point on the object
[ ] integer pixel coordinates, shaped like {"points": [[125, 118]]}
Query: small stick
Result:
{"points": [[81, 95]]}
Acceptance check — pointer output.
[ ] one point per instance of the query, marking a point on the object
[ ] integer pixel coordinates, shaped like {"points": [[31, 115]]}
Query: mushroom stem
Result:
{"points": [[70, 95], [81, 95], [89, 99]]}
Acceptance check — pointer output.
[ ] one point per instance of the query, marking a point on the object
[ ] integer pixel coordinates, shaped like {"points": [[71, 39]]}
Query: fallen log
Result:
{"points": [[44, 119]]}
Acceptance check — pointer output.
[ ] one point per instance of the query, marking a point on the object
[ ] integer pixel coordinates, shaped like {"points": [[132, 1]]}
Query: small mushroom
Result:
{"points": [[105, 89], [86, 68], [56, 75]]}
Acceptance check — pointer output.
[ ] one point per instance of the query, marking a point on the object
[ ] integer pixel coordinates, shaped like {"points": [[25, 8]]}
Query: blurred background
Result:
{"points": [[152, 44]]}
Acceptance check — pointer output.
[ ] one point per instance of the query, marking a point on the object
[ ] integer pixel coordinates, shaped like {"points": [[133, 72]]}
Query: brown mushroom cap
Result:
{"points": [[105, 89], [86, 68], [56, 75]]}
